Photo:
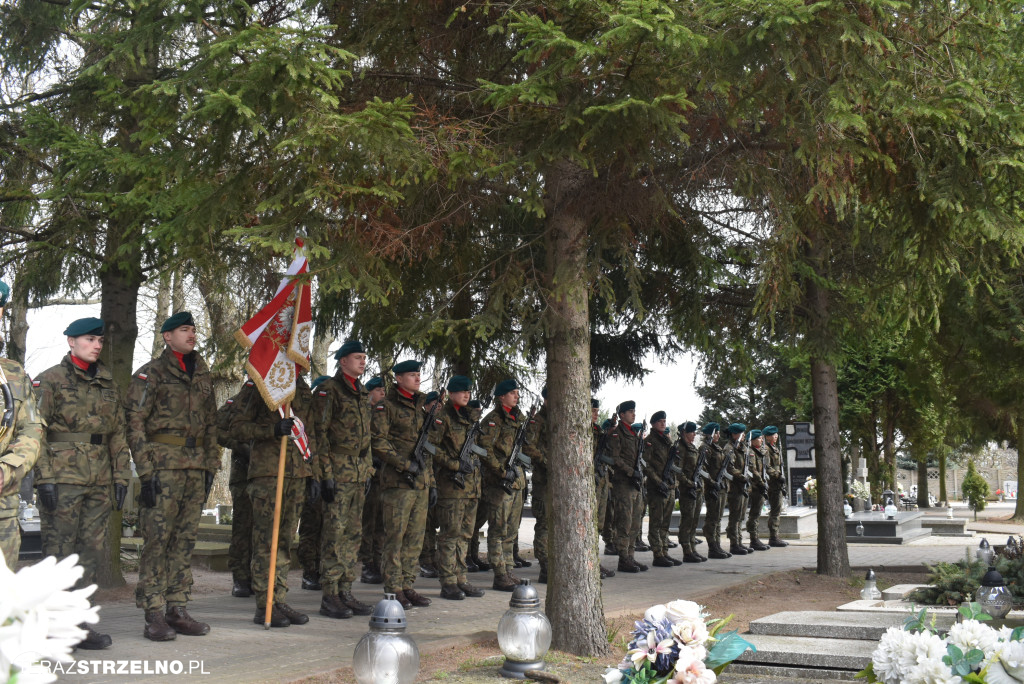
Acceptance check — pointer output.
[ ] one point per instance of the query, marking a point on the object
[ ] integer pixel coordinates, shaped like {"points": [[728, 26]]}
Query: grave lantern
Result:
{"points": [[386, 653], [870, 590], [524, 633], [860, 528], [994, 597], [890, 510], [984, 552]]}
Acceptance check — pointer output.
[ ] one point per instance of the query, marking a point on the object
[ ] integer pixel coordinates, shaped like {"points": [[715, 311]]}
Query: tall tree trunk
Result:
{"points": [[17, 344], [320, 362], [943, 496], [178, 292], [922, 480], [163, 302], [1018, 509], [574, 603], [889, 442]]}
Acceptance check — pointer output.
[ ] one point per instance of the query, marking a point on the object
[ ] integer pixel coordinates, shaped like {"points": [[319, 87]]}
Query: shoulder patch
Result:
{"points": [[143, 376], [249, 383], [322, 393], [438, 421], [35, 383], [490, 424], [615, 434], [379, 407], [231, 401]]}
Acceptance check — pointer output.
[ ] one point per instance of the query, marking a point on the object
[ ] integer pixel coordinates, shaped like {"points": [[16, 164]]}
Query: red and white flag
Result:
{"points": [[278, 336]]}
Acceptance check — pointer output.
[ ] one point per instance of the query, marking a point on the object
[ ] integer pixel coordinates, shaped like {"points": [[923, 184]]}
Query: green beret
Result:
{"points": [[687, 427], [409, 366], [459, 383], [754, 434], [350, 347], [710, 428], [319, 380], [658, 415], [770, 430], [5, 293], [431, 396], [505, 386], [177, 320], [637, 427], [474, 404], [374, 383], [606, 424], [85, 326], [594, 403], [736, 428], [626, 406]]}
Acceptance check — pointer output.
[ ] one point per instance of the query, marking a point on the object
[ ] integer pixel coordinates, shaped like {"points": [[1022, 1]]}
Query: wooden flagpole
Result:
{"points": [[277, 523]]}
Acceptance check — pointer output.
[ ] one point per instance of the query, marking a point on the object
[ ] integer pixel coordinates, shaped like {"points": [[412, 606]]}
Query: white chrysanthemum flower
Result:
{"points": [[40, 617], [931, 671], [1011, 657], [996, 674], [690, 632], [971, 634], [886, 657], [680, 610], [1005, 633], [691, 670], [655, 613], [918, 648]]}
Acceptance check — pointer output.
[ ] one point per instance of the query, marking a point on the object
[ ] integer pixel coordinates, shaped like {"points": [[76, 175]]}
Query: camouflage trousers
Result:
{"points": [[262, 492], [540, 503], [603, 491], [456, 518], [626, 500], [714, 507], [405, 520], [775, 498], [79, 525], [372, 538], [428, 553], [311, 522], [660, 519], [518, 504], [689, 516], [10, 537], [240, 549], [737, 513], [499, 509], [169, 532], [754, 504], [608, 528], [341, 535]]}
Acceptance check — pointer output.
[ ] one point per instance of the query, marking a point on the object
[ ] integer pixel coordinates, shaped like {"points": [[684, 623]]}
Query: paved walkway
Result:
{"points": [[237, 650]]}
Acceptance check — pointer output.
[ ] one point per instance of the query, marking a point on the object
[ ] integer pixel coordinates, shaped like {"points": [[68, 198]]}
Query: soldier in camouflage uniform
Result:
{"points": [[776, 485], [372, 538], [341, 407], [627, 484], [758, 488], [497, 436], [714, 493], [661, 491], [608, 528], [172, 432], [240, 548], [311, 525], [428, 553], [458, 490], [86, 456], [21, 442], [638, 512], [407, 486], [735, 454], [473, 561], [602, 474], [253, 423], [536, 447], [691, 492]]}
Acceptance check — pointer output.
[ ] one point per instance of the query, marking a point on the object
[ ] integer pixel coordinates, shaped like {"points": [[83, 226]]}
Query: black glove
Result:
{"points": [[47, 494], [432, 500], [120, 492], [283, 428], [328, 490], [466, 467], [312, 490], [510, 475], [692, 493], [150, 488], [413, 468], [663, 490], [208, 484]]}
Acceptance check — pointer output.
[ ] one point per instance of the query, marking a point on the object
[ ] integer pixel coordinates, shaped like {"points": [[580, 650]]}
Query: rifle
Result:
{"points": [[468, 455], [698, 472], [638, 468], [723, 474], [764, 474], [516, 456], [668, 475], [423, 442]]}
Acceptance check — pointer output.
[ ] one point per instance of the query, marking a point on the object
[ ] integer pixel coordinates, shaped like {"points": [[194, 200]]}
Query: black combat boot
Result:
{"points": [[471, 565], [94, 641], [483, 565], [469, 590], [738, 550], [543, 578], [277, 618], [357, 606], [672, 545], [628, 565], [428, 570], [675, 561], [241, 589], [758, 545], [157, 628], [717, 552], [776, 542], [371, 574], [452, 592], [691, 557], [663, 562], [400, 597], [332, 607], [521, 562], [641, 547], [416, 599], [294, 616], [182, 623], [606, 572], [504, 583], [610, 550], [311, 580]]}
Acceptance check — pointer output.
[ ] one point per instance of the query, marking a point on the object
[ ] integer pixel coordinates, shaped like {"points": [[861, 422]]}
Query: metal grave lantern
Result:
{"points": [[984, 552], [847, 509], [524, 633], [890, 510], [870, 591], [386, 654], [994, 597], [860, 528]]}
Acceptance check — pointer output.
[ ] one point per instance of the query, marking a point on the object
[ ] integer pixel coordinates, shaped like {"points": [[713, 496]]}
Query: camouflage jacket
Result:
{"points": [[735, 453], [757, 457], [85, 435], [23, 442], [656, 454], [395, 427], [451, 434], [253, 423], [538, 441], [601, 470], [714, 456], [776, 475], [164, 402], [343, 429], [688, 455], [497, 435], [623, 443], [239, 450]]}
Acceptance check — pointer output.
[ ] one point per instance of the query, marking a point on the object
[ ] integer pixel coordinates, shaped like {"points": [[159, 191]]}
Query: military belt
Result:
{"points": [[78, 437], [176, 440]]}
